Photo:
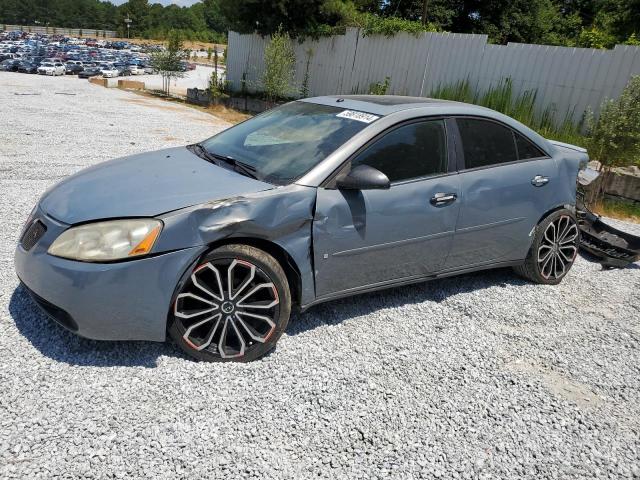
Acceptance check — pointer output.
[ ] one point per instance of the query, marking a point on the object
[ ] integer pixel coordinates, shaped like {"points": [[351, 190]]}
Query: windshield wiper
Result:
{"points": [[202, 152], [237, 165]]}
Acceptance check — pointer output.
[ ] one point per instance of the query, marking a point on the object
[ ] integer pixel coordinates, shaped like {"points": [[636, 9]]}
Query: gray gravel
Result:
{"points": [[480, 376]]}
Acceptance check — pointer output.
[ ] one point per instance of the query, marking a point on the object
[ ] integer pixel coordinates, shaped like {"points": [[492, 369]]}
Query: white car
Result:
{"points": [[136, 70], [53, 69], [110, 72]]}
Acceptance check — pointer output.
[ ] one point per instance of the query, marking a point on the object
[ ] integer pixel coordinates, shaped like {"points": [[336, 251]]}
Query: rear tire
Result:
{"points": [[233, 306], [554, 249]]}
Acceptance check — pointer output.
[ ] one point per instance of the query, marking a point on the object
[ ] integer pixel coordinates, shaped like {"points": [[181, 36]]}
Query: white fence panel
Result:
{"points": [[567, 80]]}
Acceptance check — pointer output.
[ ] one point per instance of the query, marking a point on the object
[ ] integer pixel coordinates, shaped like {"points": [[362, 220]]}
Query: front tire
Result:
{"points": [[233, 306], [554, 249]]}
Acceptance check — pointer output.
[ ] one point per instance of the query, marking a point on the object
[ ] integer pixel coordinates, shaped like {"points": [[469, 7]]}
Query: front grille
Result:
{"points": [[32, 235]]}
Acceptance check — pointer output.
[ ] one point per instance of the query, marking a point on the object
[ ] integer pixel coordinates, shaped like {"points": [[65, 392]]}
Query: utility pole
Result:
{"points": [[424, 12], [128, 22]]}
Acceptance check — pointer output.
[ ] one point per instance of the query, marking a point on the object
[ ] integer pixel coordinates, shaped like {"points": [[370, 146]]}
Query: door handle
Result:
{"points": [[539, 181], [442, 199]]}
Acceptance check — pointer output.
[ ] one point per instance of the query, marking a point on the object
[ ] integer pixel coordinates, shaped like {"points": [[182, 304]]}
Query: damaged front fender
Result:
{"points": [[282, 216]]}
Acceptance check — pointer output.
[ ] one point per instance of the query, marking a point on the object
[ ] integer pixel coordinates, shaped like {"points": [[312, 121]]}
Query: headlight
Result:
{"points": [[107, 241]]}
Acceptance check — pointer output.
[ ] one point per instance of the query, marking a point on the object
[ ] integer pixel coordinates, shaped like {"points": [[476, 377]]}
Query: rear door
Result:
{"points": [[507, 185], [369, 237]]}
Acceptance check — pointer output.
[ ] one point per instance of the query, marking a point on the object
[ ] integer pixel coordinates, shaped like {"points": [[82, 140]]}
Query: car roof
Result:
{"points": [[385, 104]]}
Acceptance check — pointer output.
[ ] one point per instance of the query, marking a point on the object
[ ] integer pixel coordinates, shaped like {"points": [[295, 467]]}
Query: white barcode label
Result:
{"points": [[358, 116]]}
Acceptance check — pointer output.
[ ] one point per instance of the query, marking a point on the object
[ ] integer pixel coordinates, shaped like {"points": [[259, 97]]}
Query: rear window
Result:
{"points": [[526, 149], [486, 143]]}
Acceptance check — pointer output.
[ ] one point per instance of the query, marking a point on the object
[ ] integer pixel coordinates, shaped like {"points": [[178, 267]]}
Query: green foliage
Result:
{"points": [[620, 209], [614, 138], [586, 23], [502, 98], [595, 38], [217, 86], [389, 26], [633, 40], [201, 21], [279, 59], [380, 88], [168, 62]]}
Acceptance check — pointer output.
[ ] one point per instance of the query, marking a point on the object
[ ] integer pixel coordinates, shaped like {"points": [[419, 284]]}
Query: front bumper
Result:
{"points": [[103, 301]]}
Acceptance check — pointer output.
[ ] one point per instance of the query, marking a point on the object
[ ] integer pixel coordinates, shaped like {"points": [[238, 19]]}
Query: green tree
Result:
{"points": [[621, 18], [213, 16], [167, 62], [266, 16], [279, 60], [528, 21], [439, 12]]}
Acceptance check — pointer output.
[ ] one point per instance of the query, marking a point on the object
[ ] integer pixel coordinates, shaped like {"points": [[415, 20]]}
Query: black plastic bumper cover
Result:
{"points": [[55, 313]]}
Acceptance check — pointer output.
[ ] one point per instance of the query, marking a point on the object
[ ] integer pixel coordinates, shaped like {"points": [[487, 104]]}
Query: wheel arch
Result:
{"points": [[571, 208], [286, 261]]}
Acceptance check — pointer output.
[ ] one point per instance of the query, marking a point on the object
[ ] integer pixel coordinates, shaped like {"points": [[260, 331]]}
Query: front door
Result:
{"points": [[364, 238]]}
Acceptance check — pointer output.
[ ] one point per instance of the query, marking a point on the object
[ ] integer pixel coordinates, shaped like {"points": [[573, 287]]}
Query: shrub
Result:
{"points": [[279, 59], [595, 38], [614, 138], [380, 88], [633, 40]]}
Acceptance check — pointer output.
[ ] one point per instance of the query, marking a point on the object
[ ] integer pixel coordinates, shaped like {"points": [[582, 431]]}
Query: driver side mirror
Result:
{"points": [[363, 177]]}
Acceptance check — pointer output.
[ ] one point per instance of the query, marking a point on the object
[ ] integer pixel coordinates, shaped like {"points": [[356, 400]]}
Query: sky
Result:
{"points": [[182, 3]]}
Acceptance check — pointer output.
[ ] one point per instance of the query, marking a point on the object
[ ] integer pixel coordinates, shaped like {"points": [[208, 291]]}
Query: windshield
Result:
{"points": [[285, 143]]}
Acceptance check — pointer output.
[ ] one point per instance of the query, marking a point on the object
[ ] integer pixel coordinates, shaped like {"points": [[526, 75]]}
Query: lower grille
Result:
{"points": [[32, 235]]}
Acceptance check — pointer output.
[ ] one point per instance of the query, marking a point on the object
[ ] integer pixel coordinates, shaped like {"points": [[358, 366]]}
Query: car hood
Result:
{"points": [[144, 185]]}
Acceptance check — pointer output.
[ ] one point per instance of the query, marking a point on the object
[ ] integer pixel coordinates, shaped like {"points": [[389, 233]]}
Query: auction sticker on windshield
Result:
{"points": [[358, 116]]}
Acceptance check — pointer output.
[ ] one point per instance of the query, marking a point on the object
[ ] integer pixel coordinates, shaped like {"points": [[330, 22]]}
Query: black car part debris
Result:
{"points": [[611, 247]]}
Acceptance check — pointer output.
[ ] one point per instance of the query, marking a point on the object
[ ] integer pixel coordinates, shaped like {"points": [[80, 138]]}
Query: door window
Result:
{"points": [[486, 143], [415, 150]]}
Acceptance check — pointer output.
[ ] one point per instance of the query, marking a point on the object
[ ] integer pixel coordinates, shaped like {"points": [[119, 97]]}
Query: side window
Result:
{"points": [[411, 151], [526, 149], [486, 143]]}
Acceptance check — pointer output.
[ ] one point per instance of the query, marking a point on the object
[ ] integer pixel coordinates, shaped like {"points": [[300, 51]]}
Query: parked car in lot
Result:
{"points": [[28, 67], [89, 72], [110, 71], [53, 69], [315, 200], [73, 68], [10, 65], [123, 70], [136, 70]]}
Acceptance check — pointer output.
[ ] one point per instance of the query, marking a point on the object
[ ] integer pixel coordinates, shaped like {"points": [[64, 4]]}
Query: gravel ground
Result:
{"points": [[480, 376]]}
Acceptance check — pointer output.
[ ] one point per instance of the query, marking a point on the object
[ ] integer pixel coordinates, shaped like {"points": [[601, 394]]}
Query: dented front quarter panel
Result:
{"points": [[282, 215]]}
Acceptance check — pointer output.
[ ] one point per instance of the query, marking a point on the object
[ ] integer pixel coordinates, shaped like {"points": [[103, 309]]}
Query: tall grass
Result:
{"points": [[502, 98]]}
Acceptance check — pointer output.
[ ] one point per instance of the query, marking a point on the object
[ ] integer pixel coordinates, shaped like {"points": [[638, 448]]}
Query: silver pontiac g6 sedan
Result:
{"points": [[318, 199]]}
